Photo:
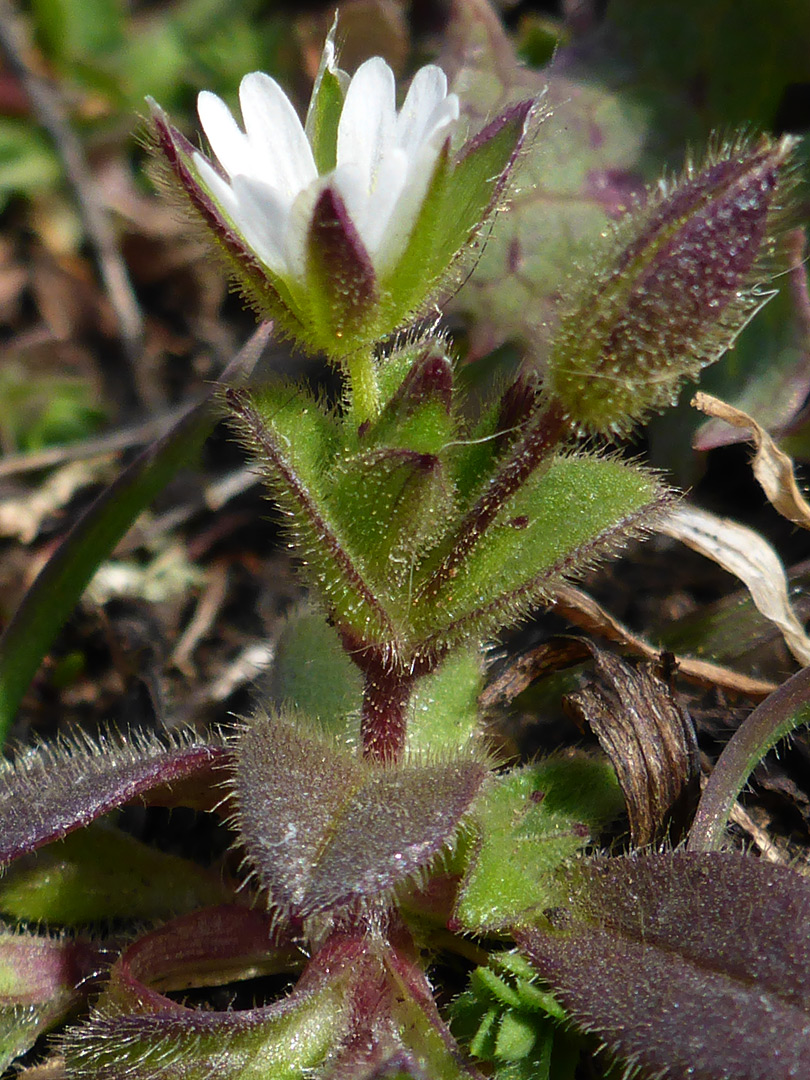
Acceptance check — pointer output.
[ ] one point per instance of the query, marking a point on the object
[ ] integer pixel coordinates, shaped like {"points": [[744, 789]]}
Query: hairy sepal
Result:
{"points": [[324, 828], [51, 789], [465, 190], [174, 173], [683, 964]]}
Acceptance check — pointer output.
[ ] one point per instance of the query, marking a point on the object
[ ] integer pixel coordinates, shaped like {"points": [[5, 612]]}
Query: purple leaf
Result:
{"points": [[361, 1006], [324, 827], [691, 965], [50, 790], [42, 980]]}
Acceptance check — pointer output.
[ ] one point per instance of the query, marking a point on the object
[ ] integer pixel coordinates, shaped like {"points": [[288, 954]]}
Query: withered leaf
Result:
{"points": [[650, 739]]}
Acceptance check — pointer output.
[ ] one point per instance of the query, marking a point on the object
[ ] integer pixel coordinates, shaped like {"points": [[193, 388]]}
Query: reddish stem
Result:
{"points": [[383, 719]]}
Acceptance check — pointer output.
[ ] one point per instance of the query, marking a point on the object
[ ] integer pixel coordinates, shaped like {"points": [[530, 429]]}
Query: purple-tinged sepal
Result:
{"points": [[175, 173]]}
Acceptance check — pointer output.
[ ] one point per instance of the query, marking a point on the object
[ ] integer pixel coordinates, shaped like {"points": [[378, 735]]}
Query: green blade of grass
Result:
{"points": [[56, 591]]}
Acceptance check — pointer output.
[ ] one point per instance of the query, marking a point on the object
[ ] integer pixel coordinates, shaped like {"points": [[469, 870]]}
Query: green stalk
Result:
{"points": [[364, 389]]}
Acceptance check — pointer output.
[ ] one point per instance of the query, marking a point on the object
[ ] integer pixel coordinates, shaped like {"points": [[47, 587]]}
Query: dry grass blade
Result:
{"points": [[583, 611]]}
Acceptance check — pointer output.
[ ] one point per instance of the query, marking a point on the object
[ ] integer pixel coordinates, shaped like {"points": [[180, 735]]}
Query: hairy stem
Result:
{"points": [[364, 390], [383, 720]]}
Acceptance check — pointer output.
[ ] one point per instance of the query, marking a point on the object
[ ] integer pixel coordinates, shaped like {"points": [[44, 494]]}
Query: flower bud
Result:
{"points": [[685, 277]]}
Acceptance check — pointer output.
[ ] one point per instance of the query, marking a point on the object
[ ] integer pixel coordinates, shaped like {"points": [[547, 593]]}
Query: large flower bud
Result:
{"points": [[683, 278]]}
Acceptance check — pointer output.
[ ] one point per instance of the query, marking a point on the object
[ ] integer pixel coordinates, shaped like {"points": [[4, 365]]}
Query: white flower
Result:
{"points": [[384, 162]]}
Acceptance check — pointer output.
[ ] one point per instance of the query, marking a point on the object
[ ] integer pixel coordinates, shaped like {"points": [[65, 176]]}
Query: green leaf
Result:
{"points": [[293, 446], [389, 505], [443, 712], [139, 1032], [101, 873], [526, 826], [313, 674], [557, 523]]}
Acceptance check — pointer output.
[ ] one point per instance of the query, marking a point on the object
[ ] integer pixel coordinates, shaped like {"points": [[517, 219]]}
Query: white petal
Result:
{"points": [[427, 91], [391, 180], [367, 126], [297, 230], [403, 216], [282, 155], [349, 180], [445, 114], [262, 220], [228, 142], [218, 188]]}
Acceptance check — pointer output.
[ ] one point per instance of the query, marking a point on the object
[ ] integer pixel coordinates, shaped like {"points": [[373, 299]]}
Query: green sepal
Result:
{"points": [[269, 293], [461, 194], [101, 873], [557, 522], [341, 283], [527, 826], [325, 107]]}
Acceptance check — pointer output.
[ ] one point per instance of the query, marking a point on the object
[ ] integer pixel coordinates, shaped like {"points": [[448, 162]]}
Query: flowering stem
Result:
{"points": [[364, 390]]}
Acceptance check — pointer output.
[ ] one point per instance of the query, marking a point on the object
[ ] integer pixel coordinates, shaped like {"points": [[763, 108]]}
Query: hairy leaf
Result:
{"points": [[323, 827], [137, 1032], [52, 789], [684, 964], [41, 980], [525, 828], [292, 445], [561, 519]]}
